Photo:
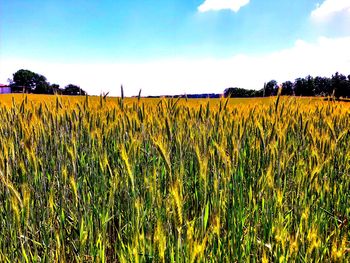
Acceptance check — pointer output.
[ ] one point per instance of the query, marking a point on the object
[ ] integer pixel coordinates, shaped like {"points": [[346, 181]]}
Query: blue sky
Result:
{"points": [[173, 47]]}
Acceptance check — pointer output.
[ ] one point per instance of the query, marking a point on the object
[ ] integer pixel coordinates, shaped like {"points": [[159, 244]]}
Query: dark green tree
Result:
{"points": [[72, 89], [238, 93], [287, 88], [41, 85], [299, 86], [323, 86], [271, 88], [55, 89], [24, 81], [340, 85], [309, 88], [28, 81]]}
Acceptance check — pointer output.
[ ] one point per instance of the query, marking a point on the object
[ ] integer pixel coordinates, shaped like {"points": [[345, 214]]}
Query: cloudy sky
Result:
{"points": [[173, 46]]}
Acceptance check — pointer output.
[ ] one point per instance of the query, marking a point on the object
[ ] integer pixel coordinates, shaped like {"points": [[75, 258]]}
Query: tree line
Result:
{"points": [[338, 86], [27, 81]]}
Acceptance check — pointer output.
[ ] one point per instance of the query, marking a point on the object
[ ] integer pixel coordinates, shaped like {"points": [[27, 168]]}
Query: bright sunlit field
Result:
{"points": [[88, 179]]}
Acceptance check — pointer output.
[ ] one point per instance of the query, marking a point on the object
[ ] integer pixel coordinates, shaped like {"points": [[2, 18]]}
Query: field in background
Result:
{"points": [[87, 179], [7, 99]]}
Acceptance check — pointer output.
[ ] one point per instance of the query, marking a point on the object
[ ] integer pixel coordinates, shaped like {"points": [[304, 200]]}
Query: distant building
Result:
{"points": [[5, 89]]}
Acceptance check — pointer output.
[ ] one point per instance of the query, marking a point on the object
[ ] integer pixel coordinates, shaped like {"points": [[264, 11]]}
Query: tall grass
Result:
{"points": [[117, 180]]}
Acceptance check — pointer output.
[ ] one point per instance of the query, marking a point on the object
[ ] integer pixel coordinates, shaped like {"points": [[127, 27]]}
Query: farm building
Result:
{"points": [[5, 89]]}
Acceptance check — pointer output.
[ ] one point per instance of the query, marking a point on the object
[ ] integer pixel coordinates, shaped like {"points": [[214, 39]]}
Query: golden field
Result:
{"points": [[88, 179]]}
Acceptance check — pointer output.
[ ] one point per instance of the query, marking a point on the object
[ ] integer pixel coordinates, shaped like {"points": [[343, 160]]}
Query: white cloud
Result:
{"points": [[216, 5], [178, 76], [331, 7]]}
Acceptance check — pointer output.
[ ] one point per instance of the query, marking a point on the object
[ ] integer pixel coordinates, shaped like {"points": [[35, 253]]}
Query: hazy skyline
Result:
{"points": [[173, 47]]}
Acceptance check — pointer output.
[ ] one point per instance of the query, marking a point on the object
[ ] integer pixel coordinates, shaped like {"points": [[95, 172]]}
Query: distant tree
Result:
{"points": [[55, 89], [24, 81], [72, 89], [42, 88], [271, 88], [238, 93], [309, 88], [323, 86], [339, 85], [242, 93], [287, 88], [259, 93], [28, 81], [41, 85], [299, 86]]}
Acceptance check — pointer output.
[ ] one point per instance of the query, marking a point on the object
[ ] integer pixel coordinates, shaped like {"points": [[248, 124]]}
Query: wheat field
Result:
{"points": [[93, 179]]}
